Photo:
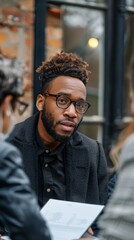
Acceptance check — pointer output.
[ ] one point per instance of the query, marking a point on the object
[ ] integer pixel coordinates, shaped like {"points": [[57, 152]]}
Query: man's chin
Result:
{"points": [[62, 138]]}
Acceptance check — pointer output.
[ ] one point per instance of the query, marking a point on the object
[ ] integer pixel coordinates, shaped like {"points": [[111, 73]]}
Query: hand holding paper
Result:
{"points": [[69, 220]]}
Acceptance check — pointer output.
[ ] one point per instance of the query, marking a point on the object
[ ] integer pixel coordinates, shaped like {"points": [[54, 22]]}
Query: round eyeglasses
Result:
{"points": [[62, 101], [21, 106]]}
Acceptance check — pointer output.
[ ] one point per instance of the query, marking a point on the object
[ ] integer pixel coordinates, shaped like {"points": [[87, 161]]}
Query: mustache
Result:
{"points": [[69, 121]]}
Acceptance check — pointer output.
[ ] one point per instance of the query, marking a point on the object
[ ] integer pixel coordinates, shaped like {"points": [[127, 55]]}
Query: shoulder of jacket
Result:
{"points": [[7, 149], [80, 138], [85, 138], [23, 131]]}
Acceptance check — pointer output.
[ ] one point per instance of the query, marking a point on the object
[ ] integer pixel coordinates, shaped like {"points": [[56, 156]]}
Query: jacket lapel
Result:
{"points": [[77, 175]]}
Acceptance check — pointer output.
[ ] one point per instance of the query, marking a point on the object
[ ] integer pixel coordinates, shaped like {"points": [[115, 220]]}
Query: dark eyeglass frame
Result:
{"points": [[21, 110], [25, 106], [69, 102]]}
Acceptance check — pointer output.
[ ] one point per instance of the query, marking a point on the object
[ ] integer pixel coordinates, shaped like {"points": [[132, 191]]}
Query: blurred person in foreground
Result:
{"points": [[117, 222], [20, 218], [124, 134], [61, 162]]}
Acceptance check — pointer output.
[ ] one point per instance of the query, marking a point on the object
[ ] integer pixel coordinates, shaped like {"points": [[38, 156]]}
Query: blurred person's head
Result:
{"points": [[129, 129], [131, 91], [11, 88]]}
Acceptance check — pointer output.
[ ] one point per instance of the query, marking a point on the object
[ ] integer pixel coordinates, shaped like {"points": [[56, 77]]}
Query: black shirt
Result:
{"points": [[51, 173]]}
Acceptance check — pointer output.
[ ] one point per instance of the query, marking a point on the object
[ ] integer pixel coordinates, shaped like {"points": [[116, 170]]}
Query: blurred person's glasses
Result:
{"points": [[62, 101], [21, 106]]}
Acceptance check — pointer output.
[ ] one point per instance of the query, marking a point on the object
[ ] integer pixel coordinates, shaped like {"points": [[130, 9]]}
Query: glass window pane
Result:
{"points": [[82, 1], [130, 3], [129, 55], [92, 131]]}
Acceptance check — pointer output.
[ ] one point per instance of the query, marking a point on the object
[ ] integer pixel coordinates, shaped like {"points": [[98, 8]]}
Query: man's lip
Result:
{"points": [[68, 123], [67, 126]]}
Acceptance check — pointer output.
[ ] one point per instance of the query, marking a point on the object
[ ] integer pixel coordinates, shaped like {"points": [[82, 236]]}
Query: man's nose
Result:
{"points": [[71, 111]]}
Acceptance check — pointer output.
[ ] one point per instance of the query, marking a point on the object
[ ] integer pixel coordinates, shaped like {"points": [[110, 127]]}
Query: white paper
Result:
{"points": [[69, 220], [5, 238]]}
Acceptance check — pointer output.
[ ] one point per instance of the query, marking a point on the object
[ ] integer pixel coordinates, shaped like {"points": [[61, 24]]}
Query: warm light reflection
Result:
{"points": [[93, 42]]}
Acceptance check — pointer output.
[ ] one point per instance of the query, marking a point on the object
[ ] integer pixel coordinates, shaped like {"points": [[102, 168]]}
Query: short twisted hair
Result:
{"points": [[63, 64]]}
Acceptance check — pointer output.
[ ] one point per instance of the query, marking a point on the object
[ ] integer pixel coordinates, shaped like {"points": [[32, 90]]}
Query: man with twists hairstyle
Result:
{"points": [[61, 162]]}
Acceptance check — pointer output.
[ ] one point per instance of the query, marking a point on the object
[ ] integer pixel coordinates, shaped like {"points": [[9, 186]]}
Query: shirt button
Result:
{"points": [[47, 151], [46, 165], [48, 189]]}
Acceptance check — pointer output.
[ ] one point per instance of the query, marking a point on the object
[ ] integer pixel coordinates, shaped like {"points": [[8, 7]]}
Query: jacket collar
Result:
{"points": [[26, 131]]}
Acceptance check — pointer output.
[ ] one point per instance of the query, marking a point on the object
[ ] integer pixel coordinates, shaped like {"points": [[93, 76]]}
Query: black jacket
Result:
{"points": [[85, 163], [19, 211]]}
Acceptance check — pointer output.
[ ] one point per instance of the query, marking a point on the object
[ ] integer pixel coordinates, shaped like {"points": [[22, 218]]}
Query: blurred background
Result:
{"points": [[100, 31]]}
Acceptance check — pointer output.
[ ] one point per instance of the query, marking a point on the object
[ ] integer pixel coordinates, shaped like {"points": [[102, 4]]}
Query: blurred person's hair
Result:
{"points": [[11, 78], [128, 130]]}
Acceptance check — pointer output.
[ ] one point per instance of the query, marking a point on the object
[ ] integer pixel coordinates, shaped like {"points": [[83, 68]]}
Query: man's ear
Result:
{"points": [[40, 102], [6, 114], [6, 105]]}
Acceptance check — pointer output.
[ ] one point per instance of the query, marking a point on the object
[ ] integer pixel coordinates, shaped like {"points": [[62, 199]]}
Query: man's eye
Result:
{"points": [[62, 100], [80, 104]]}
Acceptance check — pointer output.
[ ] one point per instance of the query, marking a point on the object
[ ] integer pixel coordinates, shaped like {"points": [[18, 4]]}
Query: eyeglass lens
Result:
{"points": [[22, 106], [64, 102]]}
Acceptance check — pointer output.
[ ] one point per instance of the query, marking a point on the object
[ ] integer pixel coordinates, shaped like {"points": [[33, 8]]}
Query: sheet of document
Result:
{"points": [[69, 220]]}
